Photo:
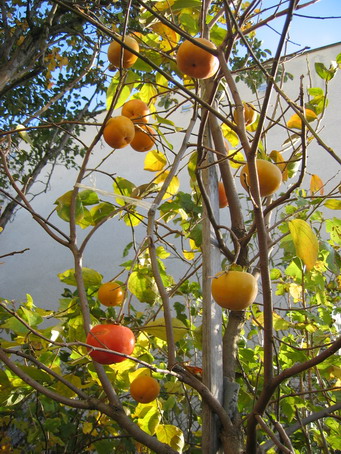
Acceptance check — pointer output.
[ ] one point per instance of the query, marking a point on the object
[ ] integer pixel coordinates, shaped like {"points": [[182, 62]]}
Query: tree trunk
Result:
{"points": [[211, 326]]}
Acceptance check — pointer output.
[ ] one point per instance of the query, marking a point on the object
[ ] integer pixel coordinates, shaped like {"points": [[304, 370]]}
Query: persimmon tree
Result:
{"points": [[264, 378]]}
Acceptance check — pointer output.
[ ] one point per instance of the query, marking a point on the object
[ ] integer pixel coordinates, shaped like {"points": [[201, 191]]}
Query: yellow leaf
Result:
{"points": [[281, 164], [87, 427], [161, 83], [23, 134], [157, 328], [193, 245], [173, 186], [64, 62], [295, 291], [236, 159], [279, 322], [169, 37], [147, 92], [333, 204], [171, 435], [334, 372], [162, 6], [230, 135], [189, 255], [154, 161], [296, 122], [316, 184], [140, 371], [305, 242]]}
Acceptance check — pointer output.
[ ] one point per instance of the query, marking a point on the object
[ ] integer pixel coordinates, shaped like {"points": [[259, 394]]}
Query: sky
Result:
{"points": [[306, 31]]}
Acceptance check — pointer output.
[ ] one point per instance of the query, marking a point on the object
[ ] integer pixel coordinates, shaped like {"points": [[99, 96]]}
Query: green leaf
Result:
{"points": [[275, 274], [171, 435], [333, 204], [196, 235], [88, 197], [104, 446], [64, 390], [91, 277], [37, 374], [32, 318], [149, 418], [157, 328], [280, 323], [142, 284], [4, 380], [64, 204], [13, 324], [101, 211], [123, 187], [338, 60], [315, 91], [181, 4], [324, 73], [125, 91], [305, 241], [333, 227]]}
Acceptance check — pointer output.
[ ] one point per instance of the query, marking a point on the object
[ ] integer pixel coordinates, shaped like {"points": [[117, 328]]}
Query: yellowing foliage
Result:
{"points": [[305, 241]]}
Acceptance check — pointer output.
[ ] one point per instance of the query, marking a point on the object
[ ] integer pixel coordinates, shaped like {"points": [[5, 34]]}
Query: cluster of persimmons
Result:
{"points": [[233, 289]]}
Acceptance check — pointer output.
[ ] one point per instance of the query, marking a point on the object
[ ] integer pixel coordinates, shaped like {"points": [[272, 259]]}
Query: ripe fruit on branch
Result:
{"points": [[196, 62], [111, 294], [119, 131], [269, 176], [113, 337], [223, 202], [250, 114], [234, 290], [144, 138], [115, 52], [144, 389], [136, 110]]}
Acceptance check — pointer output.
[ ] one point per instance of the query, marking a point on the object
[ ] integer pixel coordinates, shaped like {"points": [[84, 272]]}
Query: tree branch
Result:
{"points": [[152, 251], [305, 421]]}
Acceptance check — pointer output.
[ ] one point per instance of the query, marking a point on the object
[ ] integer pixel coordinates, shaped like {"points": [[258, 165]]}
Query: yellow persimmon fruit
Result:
{"points": [[234, 290], [269, 177], [115, 52], [250, 114], [223, 202], [111, 294], [144, 138], [136, 110], [144, 389], [196, 62], [119, 131]]}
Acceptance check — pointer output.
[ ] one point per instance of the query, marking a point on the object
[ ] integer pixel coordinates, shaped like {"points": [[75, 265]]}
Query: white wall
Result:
{"points": [[35, 271]]}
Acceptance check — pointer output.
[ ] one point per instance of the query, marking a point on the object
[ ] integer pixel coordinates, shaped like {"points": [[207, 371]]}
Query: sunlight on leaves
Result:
{"points": [[173, 186], [305, 242], [171, 435], [157, 328], [154, 161], [316, 184]]}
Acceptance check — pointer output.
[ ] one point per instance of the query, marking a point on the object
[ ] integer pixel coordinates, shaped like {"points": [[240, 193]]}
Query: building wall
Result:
{"points": [[35, 271]]}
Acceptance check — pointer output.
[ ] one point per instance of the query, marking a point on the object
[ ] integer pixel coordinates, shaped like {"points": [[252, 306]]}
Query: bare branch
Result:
{"points": [[325, 412]]}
